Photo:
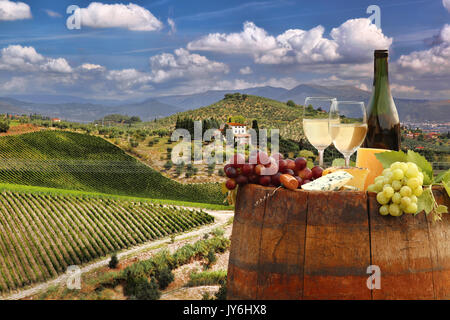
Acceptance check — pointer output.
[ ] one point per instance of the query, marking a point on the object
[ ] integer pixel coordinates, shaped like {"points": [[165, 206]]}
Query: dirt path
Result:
{"points": [[221, 217]]}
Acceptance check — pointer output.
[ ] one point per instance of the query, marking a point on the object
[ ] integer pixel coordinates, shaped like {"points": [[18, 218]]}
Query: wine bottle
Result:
{"points": [[382, 117]]}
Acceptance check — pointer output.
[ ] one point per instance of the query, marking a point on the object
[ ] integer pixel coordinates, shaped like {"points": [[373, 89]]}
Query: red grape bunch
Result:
{"points": [[269, 171]]}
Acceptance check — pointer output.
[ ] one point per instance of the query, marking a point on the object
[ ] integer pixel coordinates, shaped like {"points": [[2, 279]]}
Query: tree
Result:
{"points": [[256, 128], [114, 262], [4, 126], [290, 103]]}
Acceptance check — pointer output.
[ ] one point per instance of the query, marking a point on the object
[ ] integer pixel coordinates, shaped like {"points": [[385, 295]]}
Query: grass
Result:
{"points": [[207, 278], [78, 193], [74, 161]]}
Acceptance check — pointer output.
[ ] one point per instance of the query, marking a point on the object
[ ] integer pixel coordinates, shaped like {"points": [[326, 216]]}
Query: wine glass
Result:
{"points": [[348, 127], [316, 123]]}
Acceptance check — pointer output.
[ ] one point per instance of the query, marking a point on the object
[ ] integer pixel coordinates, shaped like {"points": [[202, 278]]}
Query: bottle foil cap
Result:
{"points": [[381, 53]]}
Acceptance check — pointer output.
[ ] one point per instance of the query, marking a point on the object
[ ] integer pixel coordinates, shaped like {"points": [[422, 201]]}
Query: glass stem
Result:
{"points": [[347, 161], [321, 157]]}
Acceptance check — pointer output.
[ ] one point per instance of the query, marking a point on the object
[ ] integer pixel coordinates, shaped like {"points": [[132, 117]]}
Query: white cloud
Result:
{"points": [[246, 70], [435, 60], [16, 57], [26, 59], [131, 17], [127, 79], [10, 10], [183, 64], [91, 67], [172, 25], [446, 4], [52, 14], [57, 65], [353, 41]]}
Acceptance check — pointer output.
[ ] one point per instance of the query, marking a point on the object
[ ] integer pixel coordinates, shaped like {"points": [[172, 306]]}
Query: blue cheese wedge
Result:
{"points": [[331, 182]]}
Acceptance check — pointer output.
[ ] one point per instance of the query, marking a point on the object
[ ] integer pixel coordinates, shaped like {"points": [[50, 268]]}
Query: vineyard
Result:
{"points": [[41, 235], [68, 160], [269, 113]]}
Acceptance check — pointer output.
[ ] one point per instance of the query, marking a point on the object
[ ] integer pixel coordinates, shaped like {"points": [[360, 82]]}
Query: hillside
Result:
{"points": [[269, 113], [42, 234], [68, 160]]}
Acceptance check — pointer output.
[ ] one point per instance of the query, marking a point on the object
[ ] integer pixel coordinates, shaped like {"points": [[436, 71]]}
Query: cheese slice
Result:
{"points": [[359, 175], [331, 182], [366, 159]]}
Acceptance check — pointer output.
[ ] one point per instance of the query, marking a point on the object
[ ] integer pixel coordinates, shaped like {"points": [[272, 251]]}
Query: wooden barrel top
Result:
{"points": [[318, 245]]}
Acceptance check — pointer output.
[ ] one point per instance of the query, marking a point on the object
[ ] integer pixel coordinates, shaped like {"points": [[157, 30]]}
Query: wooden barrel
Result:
{"points": [[318, 245]]}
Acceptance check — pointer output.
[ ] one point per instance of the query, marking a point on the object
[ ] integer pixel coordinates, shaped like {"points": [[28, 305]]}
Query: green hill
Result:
{"points": [[67, 160], [42, 234], [269, 114]]}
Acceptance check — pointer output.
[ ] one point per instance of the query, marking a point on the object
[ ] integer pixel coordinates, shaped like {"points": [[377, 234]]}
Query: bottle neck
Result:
{"points": [[381, 73]]}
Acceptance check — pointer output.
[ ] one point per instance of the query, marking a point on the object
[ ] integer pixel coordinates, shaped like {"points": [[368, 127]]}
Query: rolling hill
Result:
{"points": [[269, 114], [68, 160]]}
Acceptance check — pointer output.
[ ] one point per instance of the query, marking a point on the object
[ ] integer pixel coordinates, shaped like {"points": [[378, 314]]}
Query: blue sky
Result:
{"points": [[125, 51]]}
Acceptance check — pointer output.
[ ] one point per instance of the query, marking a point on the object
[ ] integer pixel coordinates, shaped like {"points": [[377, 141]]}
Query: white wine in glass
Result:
{"points": [[348, 127], [316, 123]]}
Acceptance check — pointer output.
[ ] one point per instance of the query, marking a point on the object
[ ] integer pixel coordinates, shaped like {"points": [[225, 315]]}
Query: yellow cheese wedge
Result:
{"points": [[359, 175], [366, 159]]}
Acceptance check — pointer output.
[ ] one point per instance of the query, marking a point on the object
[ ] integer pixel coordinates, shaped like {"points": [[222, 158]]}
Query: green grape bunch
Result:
{"points": [[398, 188]]}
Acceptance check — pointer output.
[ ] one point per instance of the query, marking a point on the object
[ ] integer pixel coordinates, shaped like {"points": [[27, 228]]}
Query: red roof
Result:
{"points": [[235, 124]]}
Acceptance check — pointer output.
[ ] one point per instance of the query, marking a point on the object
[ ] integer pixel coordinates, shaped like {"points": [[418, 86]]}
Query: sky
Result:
{"points": [[142, 49]]}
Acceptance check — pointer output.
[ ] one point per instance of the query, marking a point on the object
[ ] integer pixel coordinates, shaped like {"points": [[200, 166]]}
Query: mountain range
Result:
{"points": [[85, 110]]}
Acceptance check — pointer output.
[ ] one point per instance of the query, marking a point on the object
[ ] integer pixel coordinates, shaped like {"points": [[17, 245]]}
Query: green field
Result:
{"points": [[68, 160], [41, 234]]}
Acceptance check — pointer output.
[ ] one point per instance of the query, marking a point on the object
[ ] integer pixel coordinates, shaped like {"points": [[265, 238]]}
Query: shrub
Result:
{"points": [[114, 262], [147, 290], [210, 258], [218, 232], [4, 126], [207, 278], [164, 277], [222, 293]]}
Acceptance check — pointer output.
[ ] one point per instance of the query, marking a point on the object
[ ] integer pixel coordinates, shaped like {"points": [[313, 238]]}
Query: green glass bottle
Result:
{"points": [[383, 123]]}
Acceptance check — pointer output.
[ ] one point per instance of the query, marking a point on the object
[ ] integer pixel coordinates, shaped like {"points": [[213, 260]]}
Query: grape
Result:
{"points": [[386, 180], [394, 210], [405, 191], [405, 202], [231, 172], [396, 165], [264, 180], [300, 163], [379, 178], [379, 186], [412, 172], [275, 179], [381, 198], [384, 210], [241, 180], [385, 171], [421, 177], [230, 184], [290, 164], [418, 191], [305, 174], [396, 184], [289, 171], [412, 208], [372, 188], [388, 191], [413, 183], [413, 199], [317, 172], [282, 165], [397, 174], [396, 198], [247, 169]]}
